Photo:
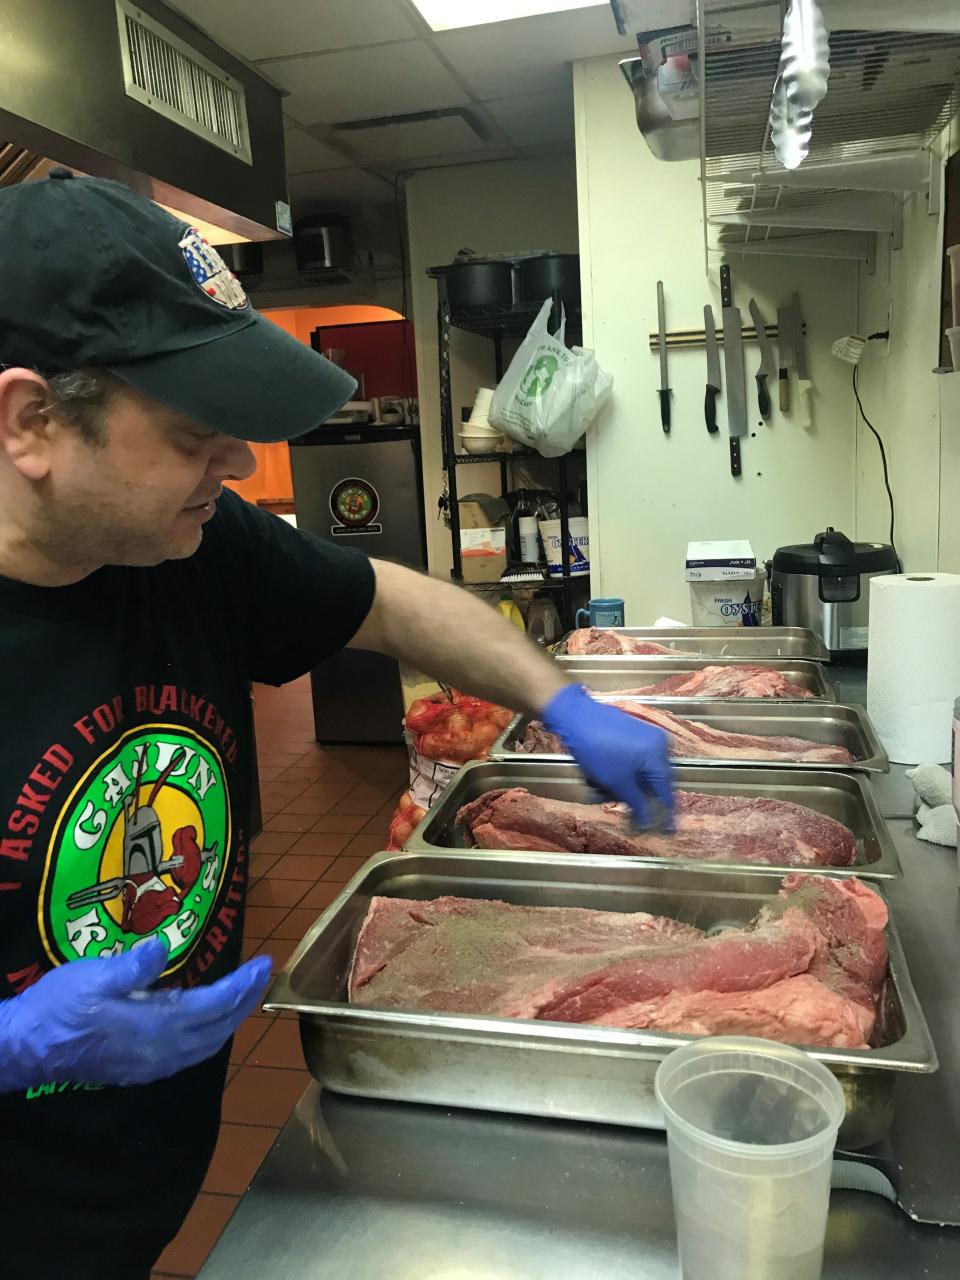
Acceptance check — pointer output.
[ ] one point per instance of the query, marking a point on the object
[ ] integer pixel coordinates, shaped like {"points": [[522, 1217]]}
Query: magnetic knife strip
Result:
{"points": [[685, 339]]}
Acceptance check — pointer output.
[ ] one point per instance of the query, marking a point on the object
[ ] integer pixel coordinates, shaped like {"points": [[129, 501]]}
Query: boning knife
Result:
{"points": [[713, 371], [733, 370], [664, 384], [804, 385], [788, 353], [767, 368]]}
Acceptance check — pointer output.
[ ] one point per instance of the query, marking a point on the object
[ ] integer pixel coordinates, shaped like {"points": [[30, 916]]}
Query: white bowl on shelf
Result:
{"points": [[479, 425], [478, 421], [480, 442]]}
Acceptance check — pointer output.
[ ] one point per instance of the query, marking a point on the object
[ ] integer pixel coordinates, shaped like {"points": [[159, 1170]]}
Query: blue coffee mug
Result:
{"points": [[606, 611]]}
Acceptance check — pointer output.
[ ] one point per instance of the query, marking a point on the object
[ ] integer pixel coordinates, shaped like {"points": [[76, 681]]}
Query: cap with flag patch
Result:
{"points": [[93, 275]]}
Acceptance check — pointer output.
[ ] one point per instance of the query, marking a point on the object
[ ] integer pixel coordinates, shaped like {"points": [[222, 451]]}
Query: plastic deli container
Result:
{"points": [[751, 1127]]}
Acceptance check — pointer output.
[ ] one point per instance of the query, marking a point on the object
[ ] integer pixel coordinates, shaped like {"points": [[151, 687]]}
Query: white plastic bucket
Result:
{"points": [[578, 550], [734, 602]]}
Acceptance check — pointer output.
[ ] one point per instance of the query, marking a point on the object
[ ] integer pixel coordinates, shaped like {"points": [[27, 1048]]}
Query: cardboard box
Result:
{"points": [[720, 561], [726, 588], [483, 548]]}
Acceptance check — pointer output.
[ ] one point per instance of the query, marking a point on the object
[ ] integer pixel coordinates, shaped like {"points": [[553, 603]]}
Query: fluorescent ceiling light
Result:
{"points": [[444, 15]]}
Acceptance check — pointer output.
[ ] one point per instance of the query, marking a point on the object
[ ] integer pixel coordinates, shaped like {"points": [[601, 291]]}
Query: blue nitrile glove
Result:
{"points": [[623, 756], [96, 1022]]}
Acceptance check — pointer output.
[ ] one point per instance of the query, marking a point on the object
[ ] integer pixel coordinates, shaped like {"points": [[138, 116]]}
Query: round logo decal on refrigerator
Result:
{"points": [[354, 505]]}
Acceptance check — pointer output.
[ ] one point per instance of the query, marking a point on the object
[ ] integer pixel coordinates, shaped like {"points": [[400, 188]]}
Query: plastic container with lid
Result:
{"points": [[751, 1127], [825, 585]]}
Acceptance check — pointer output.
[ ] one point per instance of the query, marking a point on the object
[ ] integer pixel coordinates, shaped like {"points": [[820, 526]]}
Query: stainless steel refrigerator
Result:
{"points": [[361, 486]]}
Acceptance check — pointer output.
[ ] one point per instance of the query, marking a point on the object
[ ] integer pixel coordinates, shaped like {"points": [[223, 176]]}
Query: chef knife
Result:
{"points": [[733, 370], [767, 367], [713, 371], [788, 353], [662, 338], [804, 385]]}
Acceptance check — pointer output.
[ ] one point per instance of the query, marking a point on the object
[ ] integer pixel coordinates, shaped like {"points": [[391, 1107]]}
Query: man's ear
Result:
{"points": [[25, 422]]}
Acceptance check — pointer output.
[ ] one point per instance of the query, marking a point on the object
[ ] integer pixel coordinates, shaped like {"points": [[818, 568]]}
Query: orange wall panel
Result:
{"points": [[272, 480]]}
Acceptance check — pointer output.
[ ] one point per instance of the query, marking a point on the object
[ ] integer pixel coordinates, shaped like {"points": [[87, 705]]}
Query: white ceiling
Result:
{"points": [[349, 60]]}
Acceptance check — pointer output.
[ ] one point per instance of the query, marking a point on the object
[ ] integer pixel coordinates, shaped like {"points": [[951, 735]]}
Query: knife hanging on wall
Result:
{"points": [[733, 370], [713, 371], [768, 368], [788, 353], [804, 385], [664, 383]]}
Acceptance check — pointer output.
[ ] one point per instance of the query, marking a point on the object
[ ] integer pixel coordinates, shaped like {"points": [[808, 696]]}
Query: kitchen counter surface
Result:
{"points": [[380, 1191]]}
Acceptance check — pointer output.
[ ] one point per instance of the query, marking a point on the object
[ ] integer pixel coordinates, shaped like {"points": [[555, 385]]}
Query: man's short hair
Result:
{"points": [[80, 397]]}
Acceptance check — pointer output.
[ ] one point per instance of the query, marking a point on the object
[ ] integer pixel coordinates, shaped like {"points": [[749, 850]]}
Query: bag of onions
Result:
{"points": [[441, 736]]}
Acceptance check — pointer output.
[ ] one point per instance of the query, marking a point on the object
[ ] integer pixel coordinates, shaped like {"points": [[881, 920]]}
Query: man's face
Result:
{"points": [[140, 494]]}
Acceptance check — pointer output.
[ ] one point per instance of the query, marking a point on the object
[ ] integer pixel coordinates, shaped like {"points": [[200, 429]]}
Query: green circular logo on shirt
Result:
{"points": [[139, 849]]}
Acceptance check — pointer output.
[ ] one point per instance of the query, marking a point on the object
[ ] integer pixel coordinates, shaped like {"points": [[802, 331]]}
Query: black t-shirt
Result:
{"points": [[125, 779]]}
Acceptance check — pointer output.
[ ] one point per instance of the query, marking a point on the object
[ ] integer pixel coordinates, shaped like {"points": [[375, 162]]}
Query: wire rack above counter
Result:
{"points": [[890, 94], [726, 88]]}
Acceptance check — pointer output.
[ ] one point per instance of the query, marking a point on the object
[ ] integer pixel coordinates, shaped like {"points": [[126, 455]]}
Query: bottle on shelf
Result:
{"points": [[508, 608]]}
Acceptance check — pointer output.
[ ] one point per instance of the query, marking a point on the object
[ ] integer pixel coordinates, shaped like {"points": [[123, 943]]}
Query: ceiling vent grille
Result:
{"points": [[165, 74]]}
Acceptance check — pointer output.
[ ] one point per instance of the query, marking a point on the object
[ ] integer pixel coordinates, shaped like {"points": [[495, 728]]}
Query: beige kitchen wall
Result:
{"points": [[493, 208], [640, 221], [914, 409]]}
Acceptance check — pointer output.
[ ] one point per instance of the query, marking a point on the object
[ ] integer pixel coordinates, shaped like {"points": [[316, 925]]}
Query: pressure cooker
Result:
{"points": [[825, 585]]}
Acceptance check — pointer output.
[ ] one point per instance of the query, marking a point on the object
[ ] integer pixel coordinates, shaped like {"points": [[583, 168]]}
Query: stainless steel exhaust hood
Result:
{"points": [[134, 92]]}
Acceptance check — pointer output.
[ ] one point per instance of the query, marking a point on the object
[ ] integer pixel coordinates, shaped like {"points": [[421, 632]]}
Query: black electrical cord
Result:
{"points": [[883, 456]]}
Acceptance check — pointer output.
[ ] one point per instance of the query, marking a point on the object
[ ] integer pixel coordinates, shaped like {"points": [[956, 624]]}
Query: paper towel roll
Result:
{"points": [[913, 665]]}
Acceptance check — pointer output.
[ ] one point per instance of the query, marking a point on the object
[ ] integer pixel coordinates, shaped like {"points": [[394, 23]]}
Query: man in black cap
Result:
{"points": [[138, 600]]}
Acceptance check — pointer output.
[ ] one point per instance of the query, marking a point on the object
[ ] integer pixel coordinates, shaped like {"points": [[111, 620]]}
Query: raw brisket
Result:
{"points": [[735, 681], [710, 828], [590, 640], [692, 740], [809, 969]]}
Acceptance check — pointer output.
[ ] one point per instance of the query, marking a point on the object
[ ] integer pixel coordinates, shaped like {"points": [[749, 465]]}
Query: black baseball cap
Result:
{"points": [[93, 275]]}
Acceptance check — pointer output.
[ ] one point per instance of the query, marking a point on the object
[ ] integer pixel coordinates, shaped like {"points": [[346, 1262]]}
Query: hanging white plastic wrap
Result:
{"points": [[551, 393], [801, 82]]}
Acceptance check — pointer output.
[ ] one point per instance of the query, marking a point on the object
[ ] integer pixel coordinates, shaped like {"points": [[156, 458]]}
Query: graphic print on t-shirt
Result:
{"points": [[139, 849]]}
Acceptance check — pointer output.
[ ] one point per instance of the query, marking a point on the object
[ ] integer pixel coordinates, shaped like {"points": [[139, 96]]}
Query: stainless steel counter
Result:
{"points": [[359, 1190]]}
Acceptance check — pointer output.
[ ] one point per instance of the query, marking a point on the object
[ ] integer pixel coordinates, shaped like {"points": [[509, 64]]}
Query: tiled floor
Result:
{"points": [[325, 810]]}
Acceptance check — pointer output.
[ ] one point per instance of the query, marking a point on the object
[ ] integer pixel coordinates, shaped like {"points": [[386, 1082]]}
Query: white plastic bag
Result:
{"points": [[551, 393]]}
